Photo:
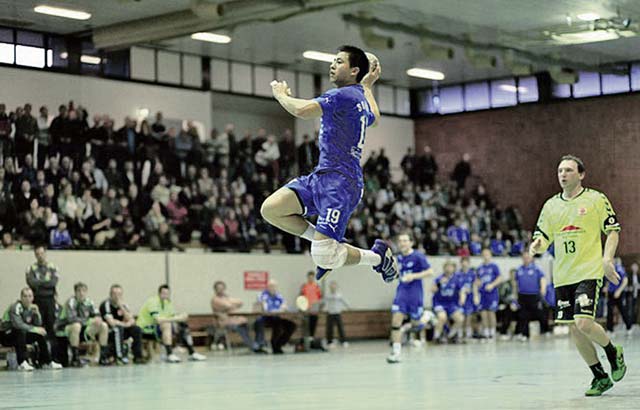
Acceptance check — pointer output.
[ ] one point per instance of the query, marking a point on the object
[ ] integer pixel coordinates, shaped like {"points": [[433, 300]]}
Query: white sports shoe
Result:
{"points": [[393, 358], [172, 358], [197, 357], [52, 366], [345, 344], [25, 367]]}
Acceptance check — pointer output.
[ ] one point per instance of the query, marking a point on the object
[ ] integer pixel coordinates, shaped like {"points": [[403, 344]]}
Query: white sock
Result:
{"points": [[309, 232], [369, 258], [397, 348]]}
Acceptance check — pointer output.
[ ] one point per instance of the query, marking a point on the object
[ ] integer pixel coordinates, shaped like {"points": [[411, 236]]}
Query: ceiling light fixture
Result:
{"points": [[319, 56], [86, 59], [588, 16], [425, 73], [212, 38], [582, 37], [61, 12]]}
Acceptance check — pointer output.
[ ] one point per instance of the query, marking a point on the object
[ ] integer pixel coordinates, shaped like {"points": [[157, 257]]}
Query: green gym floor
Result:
{"points": [[541, 374]]}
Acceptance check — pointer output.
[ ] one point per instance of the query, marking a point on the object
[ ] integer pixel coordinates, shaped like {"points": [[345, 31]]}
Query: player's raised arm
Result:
{"points": [[298, 107], [367, 83]]}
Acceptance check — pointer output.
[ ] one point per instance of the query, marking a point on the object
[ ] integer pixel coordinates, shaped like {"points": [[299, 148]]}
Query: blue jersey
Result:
{"points": [[487, 273], [345, 116], [448, 290], [466, 279], [622, 273], [528, 279], [414, 262], [271, 303]]}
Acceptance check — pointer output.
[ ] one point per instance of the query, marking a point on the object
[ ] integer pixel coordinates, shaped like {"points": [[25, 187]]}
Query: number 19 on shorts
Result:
{"points": [[333, 215]]}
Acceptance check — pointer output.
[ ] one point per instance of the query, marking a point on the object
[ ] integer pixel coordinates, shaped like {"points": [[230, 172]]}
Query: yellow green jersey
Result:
{"points": [[153, 309], [574, 226]]}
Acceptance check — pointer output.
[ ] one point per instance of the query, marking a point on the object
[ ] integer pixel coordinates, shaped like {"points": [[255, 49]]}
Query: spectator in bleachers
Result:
{"points": [[222, 146], [498, 245], [267, 158], [178, 217], [22, 324], [287, 159], [81, 322], [110, 204], [43, 137], [408, 165], [98, 226], [5, 134], [25, 134], [122, 326], [60, 238], [462, 171], [33, 224], [127, 139], [158, 320], [54, 174], [27, 171], [224, 307], [113, 176], [307, 155], [271, 304], [426, 168]]}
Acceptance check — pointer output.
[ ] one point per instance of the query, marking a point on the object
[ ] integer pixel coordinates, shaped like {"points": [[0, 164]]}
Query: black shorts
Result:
{"points": [[577, 300]]}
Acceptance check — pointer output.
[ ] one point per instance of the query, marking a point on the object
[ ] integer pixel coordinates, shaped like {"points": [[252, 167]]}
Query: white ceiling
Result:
{"points": [[508, 23]]}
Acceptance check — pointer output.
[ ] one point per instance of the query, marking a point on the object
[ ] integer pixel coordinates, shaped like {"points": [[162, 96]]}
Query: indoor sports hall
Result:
{"points": [[319, 204]]}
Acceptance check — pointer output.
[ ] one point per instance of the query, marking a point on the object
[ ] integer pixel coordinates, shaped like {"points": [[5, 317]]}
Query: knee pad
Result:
{"points": [[328, 253]]}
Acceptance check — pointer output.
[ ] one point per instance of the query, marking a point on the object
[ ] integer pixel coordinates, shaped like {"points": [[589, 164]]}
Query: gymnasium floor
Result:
{"points": [[504, 375]]}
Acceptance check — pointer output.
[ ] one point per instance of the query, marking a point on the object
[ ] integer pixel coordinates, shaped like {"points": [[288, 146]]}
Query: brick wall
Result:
{"points": [[516, 150]]}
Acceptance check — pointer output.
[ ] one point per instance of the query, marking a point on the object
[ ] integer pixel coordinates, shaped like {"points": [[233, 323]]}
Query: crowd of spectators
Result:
{"points": [[71, 181]]}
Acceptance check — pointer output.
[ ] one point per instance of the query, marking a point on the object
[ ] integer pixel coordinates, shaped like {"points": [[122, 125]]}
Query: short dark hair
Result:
{"points": [[575, 159], [80, 285], [115, 286], [218, 282], [310, 273], [163, 286], [407, 233], [357, 58]]}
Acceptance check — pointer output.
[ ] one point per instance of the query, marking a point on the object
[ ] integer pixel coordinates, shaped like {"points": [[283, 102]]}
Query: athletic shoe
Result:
{"points": [[197, 357], [345, 344], [52, 366], [139, 360], [388, 266], [25, 367], [172, 358], [599, 386], [618, 371], [104, 361], [505, 338], [393, 358], [322, 273], [122, 360]]}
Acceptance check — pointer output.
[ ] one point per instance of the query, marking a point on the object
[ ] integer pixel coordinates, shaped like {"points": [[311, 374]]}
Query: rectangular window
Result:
{"points": [[30, 56], [504, 93], [451, 100], [588, 85], [635, 77], [612, 84], [476, 96], [527, 89], [6, 53]]}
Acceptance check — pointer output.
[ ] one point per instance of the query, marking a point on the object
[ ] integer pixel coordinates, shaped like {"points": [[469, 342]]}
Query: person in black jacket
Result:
{"points": [[22, 324], [42, 278]]}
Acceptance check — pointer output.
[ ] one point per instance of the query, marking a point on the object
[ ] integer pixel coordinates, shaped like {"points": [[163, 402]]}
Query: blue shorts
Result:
{"points": [[470, 308], [330, 195], [489, 301], [408, 306], [450, 309]]}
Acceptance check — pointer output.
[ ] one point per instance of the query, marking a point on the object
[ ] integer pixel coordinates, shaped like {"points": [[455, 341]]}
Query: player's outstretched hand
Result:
{"points": [[372, 76], [280, 89], [610, 271], [535, 247]]}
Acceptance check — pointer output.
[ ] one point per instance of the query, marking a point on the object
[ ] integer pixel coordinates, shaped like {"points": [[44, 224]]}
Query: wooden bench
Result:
{"points": [[361, 324]]}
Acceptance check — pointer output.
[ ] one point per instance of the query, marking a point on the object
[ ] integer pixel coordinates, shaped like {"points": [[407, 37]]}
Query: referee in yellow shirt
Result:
{"points": [[573, 220]]}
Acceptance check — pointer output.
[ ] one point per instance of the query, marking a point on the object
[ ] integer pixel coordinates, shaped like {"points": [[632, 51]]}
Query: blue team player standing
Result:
{"points": [[489, 278], [409, 300], [334, 189]]}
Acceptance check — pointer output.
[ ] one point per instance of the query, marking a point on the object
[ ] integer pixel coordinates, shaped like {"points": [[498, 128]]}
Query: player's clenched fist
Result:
{"points": [[280, 89]]}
